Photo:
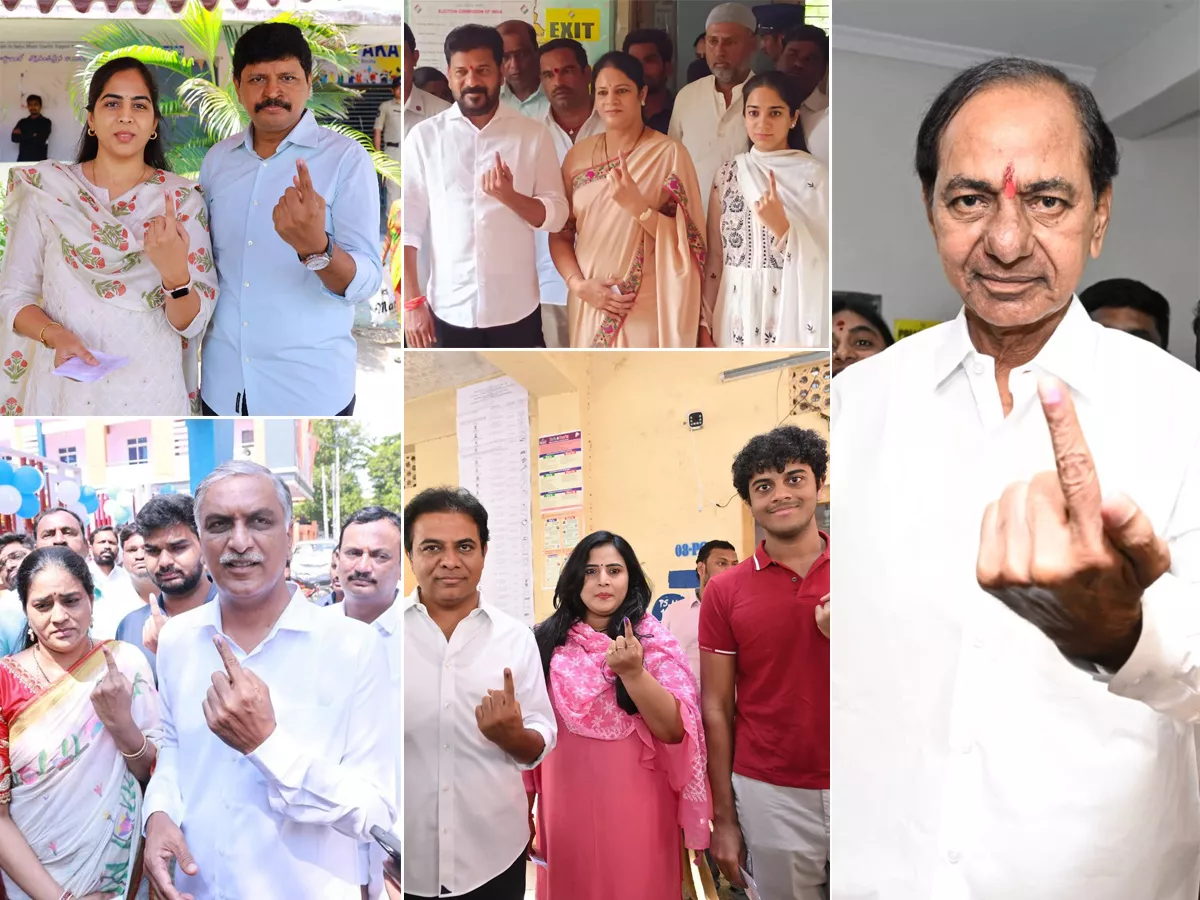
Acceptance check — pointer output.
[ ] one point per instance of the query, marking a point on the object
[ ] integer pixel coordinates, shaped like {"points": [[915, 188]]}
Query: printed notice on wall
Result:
{"points": [[493, 464], [560, 499]]}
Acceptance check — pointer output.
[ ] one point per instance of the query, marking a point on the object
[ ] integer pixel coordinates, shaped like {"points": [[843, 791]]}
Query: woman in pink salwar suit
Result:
{"points": [[627, 775]]}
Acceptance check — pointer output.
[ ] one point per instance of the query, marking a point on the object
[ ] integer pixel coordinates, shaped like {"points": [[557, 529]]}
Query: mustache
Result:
{"points": [[266, 104], [361, 579], [229, 559]]}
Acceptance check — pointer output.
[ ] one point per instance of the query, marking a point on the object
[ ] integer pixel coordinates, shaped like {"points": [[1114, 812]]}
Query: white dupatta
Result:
{"points": [[802, 182], [73, 796]]}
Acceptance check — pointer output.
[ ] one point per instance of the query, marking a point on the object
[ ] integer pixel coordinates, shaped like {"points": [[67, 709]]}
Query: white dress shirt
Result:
{"points": [[712, 132], [554, 289], [465, 813], [370, 855], [815, 123], [116, 597], [422, 105], [483, 255], [284, 821], [974, 761]]}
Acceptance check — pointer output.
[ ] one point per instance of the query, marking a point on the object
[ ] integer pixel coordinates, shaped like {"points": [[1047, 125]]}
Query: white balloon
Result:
{"points": [[125, 499], [68, 493], [79, 510], [10, 500]]}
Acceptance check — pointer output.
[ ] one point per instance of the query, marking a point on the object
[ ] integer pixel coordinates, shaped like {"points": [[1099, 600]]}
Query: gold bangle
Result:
{"points": [[646, 215], [140, 753], [42, 334]]}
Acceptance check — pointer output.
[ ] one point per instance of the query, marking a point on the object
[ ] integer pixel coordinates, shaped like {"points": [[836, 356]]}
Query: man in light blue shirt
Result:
{"points": [[294, 209], [14, 547]]}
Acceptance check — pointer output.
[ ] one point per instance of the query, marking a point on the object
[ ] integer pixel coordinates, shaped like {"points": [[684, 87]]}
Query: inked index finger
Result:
{"points": [[510, 689], [1072, 458], [306, 184], [108, 658], [232, 666]]}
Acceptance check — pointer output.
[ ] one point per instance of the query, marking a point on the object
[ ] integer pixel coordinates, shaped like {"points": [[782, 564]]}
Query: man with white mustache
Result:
{"points": [[272, 773]]}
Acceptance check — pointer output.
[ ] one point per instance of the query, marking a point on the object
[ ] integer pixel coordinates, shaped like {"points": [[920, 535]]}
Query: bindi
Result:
{"points": [[1010, 186], [840, 323]]}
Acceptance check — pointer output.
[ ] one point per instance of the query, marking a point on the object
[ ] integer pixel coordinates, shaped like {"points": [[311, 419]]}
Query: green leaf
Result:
{"points": [[328, 42], [185, 159], [115, 36], [328, 100], [220, 112], [384, 165], [172, 108], [202, 29], [148, 54]]}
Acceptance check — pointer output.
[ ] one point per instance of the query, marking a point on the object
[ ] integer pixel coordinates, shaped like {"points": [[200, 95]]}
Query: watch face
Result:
{"points": [[316, 263]]}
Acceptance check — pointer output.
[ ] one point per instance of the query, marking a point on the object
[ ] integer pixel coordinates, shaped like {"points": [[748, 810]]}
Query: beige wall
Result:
{"points": [[640, 458]]}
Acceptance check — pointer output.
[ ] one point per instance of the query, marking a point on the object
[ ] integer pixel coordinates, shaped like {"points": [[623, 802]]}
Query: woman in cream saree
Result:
{"points": [[70, 797], [635, 226]]}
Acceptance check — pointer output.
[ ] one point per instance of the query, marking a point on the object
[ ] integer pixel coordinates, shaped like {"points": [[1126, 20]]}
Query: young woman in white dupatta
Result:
{"points": [[767, 278], [79, 728], [110, 254]]}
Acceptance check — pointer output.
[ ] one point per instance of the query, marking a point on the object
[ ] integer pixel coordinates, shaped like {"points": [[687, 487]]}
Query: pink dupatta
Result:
{"points": [[585, 697]]}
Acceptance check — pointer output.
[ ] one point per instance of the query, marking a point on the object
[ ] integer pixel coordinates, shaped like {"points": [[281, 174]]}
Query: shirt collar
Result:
{"points": [[507, 94], [413, 601], [762, 560], [1068, 355], [306, 134], [503, 111], [299, 615], [551, 122], [417, 101]]}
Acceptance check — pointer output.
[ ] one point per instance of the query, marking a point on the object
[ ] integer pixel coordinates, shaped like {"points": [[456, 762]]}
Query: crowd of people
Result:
{"points": [[175, 691], [562, 202], [124, 282], [602, 745]]}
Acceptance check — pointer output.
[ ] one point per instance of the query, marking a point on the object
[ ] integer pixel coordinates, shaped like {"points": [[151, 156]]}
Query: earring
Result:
{"points": [[32, 636], [154, 135], [91, 133]]}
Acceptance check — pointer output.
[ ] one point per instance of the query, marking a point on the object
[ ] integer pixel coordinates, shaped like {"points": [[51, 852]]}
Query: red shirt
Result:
{"points": [[764, 613]]}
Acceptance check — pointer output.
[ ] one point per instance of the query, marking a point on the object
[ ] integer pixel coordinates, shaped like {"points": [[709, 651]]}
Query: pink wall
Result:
{"points": [[66, 439], [115, 440]]}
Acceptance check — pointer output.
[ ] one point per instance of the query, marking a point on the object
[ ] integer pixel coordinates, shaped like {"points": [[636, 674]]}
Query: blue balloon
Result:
{"points": [[30, 506], [28, 480], [6, 472], [165, 489], [121, 515], [87, 496]]}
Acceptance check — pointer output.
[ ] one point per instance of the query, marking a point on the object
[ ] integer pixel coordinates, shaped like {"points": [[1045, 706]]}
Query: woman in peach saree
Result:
{"points": [[632, 253]]}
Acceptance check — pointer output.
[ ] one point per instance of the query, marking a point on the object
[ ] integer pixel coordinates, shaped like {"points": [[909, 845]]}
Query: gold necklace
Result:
{"points": [[42, 671]]}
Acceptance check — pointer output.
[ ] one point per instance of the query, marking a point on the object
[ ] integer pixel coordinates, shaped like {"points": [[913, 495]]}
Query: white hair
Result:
{"points": [[244, 467]]}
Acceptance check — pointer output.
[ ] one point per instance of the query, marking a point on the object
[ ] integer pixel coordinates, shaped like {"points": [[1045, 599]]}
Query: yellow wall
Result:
{"points": [[640, 468], [162, 448]]}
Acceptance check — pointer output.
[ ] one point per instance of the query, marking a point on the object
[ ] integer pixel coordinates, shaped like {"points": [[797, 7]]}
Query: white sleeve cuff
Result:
{"points": [[1164, 670], [279, 759], [547, 744]]}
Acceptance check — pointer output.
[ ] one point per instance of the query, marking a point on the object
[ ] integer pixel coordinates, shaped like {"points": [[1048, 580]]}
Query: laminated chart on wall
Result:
{"points": [[493, 464], [560, 499]]}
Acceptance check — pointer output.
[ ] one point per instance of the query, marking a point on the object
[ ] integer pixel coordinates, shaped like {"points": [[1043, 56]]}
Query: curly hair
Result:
{"points": [[774, 450]]}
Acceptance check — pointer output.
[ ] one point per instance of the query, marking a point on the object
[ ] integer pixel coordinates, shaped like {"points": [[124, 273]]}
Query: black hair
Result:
{"points": [[29, 98], [57, 509], [366, 516], [397, 81], [655, 36], [164, 511], [423, 75], [153, 153], [271, 42], [466, 38], [410, 39], [788, 90], [24, 538], [867, 311], [444, 500], [700, 37], [569, 609], [128, 530], [101, 530], [1196, 331], [1127, 292], [520, 24], [809, 34], [628, 65], [45, 558], [566, 44], [771, 452], [1099, 145], [707, 549]]}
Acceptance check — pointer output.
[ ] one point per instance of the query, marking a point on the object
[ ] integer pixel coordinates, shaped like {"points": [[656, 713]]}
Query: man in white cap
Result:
{"points": [[708, 112]]}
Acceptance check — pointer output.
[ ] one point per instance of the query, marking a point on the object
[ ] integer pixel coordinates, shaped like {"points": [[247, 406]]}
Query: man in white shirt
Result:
{"points": [[478, 181], [707, 117], [368, 559], [389, 130], [976, 758], [806, 58], [115, 596], [567, 81], [476, 712], [271, 774], [522, 88], [133, 561]]}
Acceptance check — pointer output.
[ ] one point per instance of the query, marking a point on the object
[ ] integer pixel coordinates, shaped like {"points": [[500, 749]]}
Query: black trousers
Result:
{"points": [[209, 411], [525, 333], [508, 885]]}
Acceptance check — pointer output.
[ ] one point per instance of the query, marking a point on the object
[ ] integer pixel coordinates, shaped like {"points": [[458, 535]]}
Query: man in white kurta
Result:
{"points": [[277, 754], [976, 760]]}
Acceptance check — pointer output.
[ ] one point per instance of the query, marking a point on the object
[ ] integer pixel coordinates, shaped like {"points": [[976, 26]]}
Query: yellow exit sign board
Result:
{"points": [[580, 24]]}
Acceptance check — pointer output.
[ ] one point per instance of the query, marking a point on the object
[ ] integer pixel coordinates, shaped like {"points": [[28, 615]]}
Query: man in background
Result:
{"points": [[806, 58], [115, 596], [419, 103], [522, 88], [1130, 306], [389, 129], [133, 561], [652, 47], [433, 82], [32, 134], [13, 548], [774, 21], [707, 118], [682, 617]]}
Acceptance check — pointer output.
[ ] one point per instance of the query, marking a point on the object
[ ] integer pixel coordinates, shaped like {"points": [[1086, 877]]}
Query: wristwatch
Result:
{"points": [[179, 291], [318, 261]]}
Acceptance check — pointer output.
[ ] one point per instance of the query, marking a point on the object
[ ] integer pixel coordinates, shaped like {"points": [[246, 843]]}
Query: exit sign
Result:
{"points": [[580, 24]]}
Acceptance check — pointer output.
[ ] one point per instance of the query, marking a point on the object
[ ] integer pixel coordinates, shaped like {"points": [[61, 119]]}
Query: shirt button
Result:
{"points": [[264, 164], [245, 284], [954, 856], [251, 243], [245, 324], [978, 367], [247, 359], [977, 643], [256, 203]]}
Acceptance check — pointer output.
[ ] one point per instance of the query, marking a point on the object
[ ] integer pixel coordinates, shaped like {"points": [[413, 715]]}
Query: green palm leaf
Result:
{"points": [[203, 30], [328, 100], [328, 42], [386, 166], [114, 36], [170, 109], [220, 112], [148, 54], [185, 159]]}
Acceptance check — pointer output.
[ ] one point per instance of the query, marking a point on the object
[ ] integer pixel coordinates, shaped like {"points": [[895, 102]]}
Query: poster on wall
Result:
{"points": [[493, 464], [377, 64], [908, 327], [44, 68], [560, 499], [587, 21]]}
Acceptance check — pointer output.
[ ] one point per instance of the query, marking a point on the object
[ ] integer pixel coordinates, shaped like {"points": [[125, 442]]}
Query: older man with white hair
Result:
{"points": [[273, 771], [707, 117]]}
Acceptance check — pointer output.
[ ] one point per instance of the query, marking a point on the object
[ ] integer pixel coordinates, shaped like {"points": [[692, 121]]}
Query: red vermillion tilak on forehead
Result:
{"points": [[1010, 186]]}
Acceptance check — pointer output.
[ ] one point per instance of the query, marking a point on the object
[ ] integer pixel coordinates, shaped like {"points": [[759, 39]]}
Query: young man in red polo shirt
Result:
{"points": [[764, 663]]}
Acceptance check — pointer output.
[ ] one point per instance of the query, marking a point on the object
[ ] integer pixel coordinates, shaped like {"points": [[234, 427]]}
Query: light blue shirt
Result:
{"points": [[12, 624], [278, 335]]}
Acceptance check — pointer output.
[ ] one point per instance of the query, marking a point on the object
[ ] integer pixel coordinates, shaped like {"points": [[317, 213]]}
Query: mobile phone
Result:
{"points": [[388, 842]]}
